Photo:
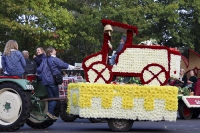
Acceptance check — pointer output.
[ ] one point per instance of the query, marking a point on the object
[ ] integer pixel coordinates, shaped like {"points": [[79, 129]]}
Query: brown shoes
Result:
{"points": [[51, 116]]}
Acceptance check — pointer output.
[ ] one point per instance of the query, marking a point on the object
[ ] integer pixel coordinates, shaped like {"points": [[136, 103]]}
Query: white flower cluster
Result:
{"points": [[137, 112], [92, 75], [100, 80], [149, 42], [175, 65], [147, 75], [134, 60], [99, 67], [93, 59], [74, 109], [106, 74]]}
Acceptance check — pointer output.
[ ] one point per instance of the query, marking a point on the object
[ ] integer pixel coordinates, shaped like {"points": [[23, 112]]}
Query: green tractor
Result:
{"points": [[24, 101]]}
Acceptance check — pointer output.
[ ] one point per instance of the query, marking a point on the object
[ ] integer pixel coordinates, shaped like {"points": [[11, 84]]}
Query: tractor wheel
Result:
{"points": [[38, 121], [184, 111], [64, 115], [120, 125], [99, 73], [196, 113], [15, 104], [96, 120], [153, 74]]}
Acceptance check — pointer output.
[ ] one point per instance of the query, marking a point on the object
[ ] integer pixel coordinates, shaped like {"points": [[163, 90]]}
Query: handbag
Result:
{"points": [[58, 78]]}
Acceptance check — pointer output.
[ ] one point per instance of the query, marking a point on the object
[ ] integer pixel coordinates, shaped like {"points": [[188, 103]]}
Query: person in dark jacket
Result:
{"points": [[40, 56], [118, 50], [182, 81], [191, 81], [30, 66], [47, 70], [13, 62]]}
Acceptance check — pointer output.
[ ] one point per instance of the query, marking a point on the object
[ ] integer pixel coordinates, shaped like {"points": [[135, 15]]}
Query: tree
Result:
{"points": [[35, 23], [190, 23], [158, 20]]}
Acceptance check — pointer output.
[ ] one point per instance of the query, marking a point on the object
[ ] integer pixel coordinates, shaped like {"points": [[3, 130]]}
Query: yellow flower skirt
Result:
{"points": [[92, 100]]}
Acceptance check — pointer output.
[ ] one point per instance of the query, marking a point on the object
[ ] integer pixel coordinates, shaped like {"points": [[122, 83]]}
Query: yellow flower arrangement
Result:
{"points": [[74, 99], [113, 100]]}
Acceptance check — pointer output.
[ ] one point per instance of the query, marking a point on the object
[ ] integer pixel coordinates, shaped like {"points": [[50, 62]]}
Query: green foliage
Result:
{"points": [[159, 20], [184, 91], [135, 80], [35, 23], [75, 25]]}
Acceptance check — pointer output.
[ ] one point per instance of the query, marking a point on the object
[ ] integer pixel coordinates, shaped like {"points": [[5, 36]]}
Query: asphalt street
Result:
{"points": [[85, 126]]}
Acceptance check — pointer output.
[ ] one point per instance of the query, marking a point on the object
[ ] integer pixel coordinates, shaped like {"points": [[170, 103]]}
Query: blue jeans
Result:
{"points": [[112, 59], [53, 93], [39, 77]]}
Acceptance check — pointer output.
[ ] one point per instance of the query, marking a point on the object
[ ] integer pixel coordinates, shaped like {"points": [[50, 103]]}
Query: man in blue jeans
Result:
{"points": [[119, 49], [49, 67]]}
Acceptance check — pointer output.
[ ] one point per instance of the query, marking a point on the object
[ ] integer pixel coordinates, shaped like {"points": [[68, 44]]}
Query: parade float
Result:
{"points": [[119, 103], [189, 104]]}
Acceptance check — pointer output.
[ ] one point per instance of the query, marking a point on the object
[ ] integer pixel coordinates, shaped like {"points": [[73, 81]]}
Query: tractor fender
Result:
{"points": [[191, 101], [21, 82]]}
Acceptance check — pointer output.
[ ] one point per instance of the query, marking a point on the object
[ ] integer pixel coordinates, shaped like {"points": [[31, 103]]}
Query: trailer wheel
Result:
{"points": [[39, 121], [64, 115], [120, 125], [15, 106], [184, 111], [196, 113]]}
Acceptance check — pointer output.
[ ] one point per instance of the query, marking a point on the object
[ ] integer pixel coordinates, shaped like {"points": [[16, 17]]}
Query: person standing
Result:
{"points": [[30, 66], [51, 66], [40, 56], [13, 62]]}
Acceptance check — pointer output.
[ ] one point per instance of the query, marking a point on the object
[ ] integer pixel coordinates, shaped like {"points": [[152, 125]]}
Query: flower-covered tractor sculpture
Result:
{"points": [[153, 64], [122, 104]]}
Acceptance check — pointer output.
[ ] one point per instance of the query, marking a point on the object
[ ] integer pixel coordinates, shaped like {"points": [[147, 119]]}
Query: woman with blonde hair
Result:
{"points": [[182, 78], [13, 62]]}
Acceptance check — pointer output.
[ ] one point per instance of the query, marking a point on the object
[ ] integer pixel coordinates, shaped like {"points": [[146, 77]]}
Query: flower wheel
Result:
{"points": [[99, 73], [154, 74]]}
